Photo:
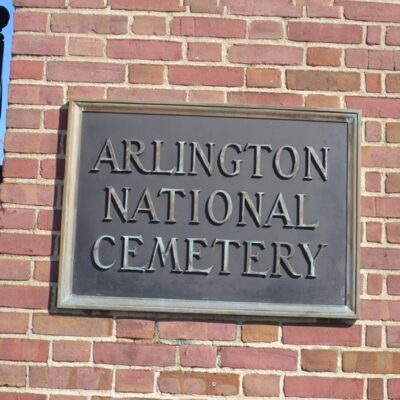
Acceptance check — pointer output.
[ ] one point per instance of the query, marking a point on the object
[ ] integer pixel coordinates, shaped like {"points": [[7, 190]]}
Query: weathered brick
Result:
{"points": [[20, 168], [379, 362], [393, 232], [373, 131], [322, 335], [12, 375], [265, 54], [46, 271], [22, 396], [23, 118], [23, 350], [76, 71], [373, 336], [82, 46], [318, 360], [372, 181], [373, 34], [258, 358], [198, 356], [14, 322], [393, 388], [71, 351], [393, 132], [134, 354], [56, 119], [379, 107], [380, 258], [63, 325], [12, 269], [24, 296], [392, 183], [135, 328], [393, 285], [373, 233], [206, 96], [149, 25], [204, 6], [275, 99], [263, 77], [87, 378], [144, 49], [208, 76], [146, 5], [197, 330], [40, 143], [35, 94], [199, 51], [271, 8], [39, 45], [31, 21], [261, 29], [41, 195], [393, 336], [375, 389], [369, 11], [89, 23], [40, 3], [261, 385], [325, 56], [27, 69], [26, 244], [393, 35], [86, 92], [51, 168], [373, 83], [87, 4], [388, 207], [140, 94], [380, 157], [323, 32], [257, 332], [393, 83], [134, 381], [379, 310], [17, 218], [220, 384], [323, 80], [320, 100], [356, 58]]}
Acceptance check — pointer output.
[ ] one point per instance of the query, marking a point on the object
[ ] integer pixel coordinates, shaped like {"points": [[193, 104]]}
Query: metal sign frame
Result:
{"points": [[66, 297]]}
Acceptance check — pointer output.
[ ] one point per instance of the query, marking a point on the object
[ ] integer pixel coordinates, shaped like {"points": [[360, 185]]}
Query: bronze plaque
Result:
{"points": [[210, 209]]}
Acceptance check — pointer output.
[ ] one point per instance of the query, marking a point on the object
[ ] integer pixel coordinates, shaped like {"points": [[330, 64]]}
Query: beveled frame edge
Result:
{"points": [[65, 297]]}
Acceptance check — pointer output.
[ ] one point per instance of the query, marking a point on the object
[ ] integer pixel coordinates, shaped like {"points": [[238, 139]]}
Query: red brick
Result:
{"points": [[334, 388], [373, 83], [49, 220], [319, 360], [23, 350], [26, 244], [40, 143], [52, 168], [371, 362], [373, 336], [14, 270], [393, 132], [393, 285], [356, 58], [27, 69], [135, 381], [270, 8], [135, 328], [40, 3], [393, 232], [204, 51], [198, 356], [388, 207], [38, 45], [368, 208], [82, 46], [23, 118], [393, 83], [392, 184], [278, 99], [14, 322], [375, 389], [206, 96], [71, 351], [146, 94], [208, 76], [261, 29], [323, 80], [393, 336], [372, 181], [380, 157], [87, 378], [41, 195], [197, 330], [379, 107], [257, 332], [204, 6], [258, 358], [86, 92], [24, 296], [379, 310], [393, 35], [265, 54], [322, 335], [374, 284], [17, 218], [380, 258], [208, 27], [199, 383], [149, 25], [263, 77], [75, 71], [320, 100], [261, 385], [89, 23], [22, 396], [87, 3], [373, 34], [381, 59], [62, 325], [368, 11], [316, 11], [66, 397], [35, 94], [326, 56], [134, 354], [393, 388], [46, 271], [56, 119], [30, 21], [323, 32], [146, 5], [374, 232], [12, 375], [20, 168], [144, 49]]}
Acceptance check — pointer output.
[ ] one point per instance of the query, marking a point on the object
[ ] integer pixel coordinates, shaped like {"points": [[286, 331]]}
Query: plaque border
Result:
{"points": [[66, 299]]}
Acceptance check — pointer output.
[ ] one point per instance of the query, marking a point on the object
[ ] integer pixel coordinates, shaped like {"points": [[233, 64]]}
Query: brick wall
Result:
{"points": [[314, 53]]}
